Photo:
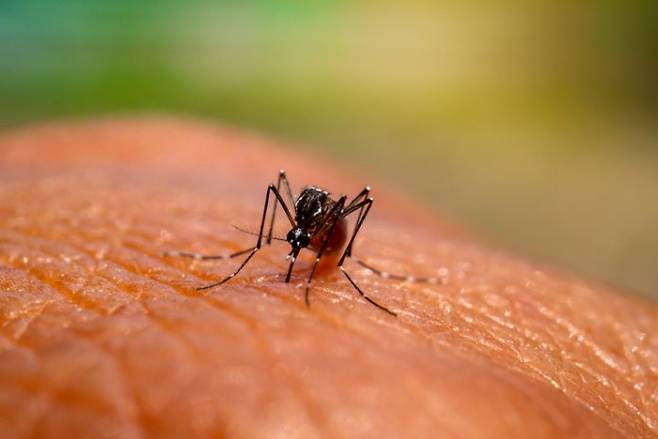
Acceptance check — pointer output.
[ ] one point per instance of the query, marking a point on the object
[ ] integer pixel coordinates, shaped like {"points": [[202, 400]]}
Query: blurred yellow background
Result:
{"points": [[534, 122]]}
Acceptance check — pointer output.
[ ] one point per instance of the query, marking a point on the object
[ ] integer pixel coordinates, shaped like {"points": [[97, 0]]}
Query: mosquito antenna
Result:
{"points": [[248, 232]]}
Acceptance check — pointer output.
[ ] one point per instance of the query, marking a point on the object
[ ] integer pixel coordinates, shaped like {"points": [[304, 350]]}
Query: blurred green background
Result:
{"points": [[534, 122]]}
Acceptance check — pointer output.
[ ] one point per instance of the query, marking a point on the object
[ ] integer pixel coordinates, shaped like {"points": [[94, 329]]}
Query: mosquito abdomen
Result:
{"points": [[336, 240]]}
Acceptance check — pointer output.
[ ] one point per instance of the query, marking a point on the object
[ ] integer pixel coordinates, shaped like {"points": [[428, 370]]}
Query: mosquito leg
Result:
{"points": [[232, 275], [387, 275], [359, 199], [336, 212], [364, 208], [293, 256], [356, 287], [282, 179], [252, 251], [201, 257], [279, 199]]}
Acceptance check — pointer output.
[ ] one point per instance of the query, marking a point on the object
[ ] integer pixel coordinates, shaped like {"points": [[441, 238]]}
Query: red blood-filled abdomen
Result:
{"points": [[336, 240]]}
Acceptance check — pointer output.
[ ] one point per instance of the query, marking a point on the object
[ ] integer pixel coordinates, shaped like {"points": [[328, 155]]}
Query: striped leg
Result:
{"points": [[271, 189], [364, 208], [282, 179], [337, 213], [386, 275], [363, 195]]}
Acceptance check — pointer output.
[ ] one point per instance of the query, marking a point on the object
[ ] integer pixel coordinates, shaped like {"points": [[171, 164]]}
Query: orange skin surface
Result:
{"points": [[101, 335]]}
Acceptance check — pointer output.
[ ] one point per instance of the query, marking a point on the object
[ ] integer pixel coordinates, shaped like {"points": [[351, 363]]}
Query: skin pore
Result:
{"points": [[101, 335]]}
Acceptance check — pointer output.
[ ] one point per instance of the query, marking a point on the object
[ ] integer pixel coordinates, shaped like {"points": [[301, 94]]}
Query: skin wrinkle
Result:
{"points": [[11, 275], [137, 274], [56, 395], [546, 376], [184, 345], [68, 293], [604, 357], [307, 403], [150, 314], [556, 383], [128, 404], [26, 323], [252, 325], [503, 325], [258, 336]]}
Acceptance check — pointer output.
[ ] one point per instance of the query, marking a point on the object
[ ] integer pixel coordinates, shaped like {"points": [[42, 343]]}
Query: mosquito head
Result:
{"points": [[298, 238]]}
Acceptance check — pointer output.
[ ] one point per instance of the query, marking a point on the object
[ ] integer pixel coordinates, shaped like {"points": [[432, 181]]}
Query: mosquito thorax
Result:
{"points": [[311, 205], [298, 238]]}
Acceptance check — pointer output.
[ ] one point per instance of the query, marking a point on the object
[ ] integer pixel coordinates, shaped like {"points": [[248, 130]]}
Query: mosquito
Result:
{"points": [[319, 223]]}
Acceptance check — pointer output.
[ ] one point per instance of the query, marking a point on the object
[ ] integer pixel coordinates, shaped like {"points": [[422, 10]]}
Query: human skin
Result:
{"points": [[102, 335]]}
